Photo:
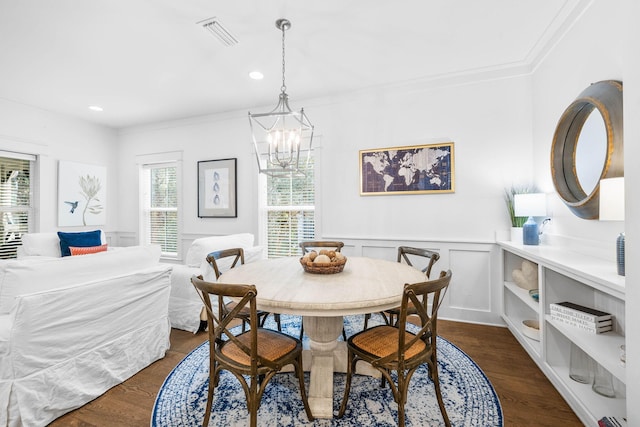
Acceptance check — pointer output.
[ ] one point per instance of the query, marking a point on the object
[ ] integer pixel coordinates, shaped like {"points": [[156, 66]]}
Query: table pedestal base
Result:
{"points": [[325, 356], [323, 335]]}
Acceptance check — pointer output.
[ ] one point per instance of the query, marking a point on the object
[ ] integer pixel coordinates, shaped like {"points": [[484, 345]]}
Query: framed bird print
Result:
{"points": [[82, 194]]}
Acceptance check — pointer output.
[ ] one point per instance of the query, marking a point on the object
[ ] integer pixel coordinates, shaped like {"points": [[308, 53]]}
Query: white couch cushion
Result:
{"points": [[43, 244], [199, 249], [27, 276]]}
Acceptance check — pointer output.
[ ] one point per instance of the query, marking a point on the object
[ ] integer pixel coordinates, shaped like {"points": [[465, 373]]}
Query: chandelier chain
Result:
{"points": [[284, 86]]}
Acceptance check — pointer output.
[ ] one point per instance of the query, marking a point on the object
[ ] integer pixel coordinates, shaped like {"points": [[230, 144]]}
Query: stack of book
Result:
{"points": [[612, 422], [585, 318]]}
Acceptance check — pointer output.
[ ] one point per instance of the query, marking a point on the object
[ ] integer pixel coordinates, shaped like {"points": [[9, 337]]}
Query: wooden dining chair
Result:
{"points": [[406, 254], [393, 348], [235, 255], [252, 356], [308, 246]]}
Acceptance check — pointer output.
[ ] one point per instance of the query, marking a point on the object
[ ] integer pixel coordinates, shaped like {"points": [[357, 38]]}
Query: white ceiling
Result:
{"points": [[147, 60]]}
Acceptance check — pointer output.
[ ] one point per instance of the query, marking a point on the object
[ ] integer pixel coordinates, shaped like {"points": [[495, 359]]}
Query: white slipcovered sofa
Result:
{"points": [[73, 327], [185, 306]]}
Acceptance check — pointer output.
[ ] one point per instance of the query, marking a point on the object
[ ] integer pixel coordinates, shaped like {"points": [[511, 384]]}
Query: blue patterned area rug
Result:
{"points": [[468, 395]]}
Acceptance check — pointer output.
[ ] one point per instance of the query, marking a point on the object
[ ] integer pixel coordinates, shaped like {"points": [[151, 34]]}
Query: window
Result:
{"points": [[15, 200], [289, 212], [159, 198]]}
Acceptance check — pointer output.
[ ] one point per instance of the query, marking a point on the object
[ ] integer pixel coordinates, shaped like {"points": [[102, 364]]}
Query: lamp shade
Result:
{"points": [[530, 204], [612, 199]]}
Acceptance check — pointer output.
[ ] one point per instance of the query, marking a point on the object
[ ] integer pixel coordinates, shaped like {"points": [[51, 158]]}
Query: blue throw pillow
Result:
{"points": [[79, 239]]}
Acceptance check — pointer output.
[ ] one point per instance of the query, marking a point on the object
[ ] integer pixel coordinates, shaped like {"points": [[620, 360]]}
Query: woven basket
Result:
{"points": [[323, 267]]}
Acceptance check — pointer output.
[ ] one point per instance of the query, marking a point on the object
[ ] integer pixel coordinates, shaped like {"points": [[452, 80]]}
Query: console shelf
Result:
{"points": [[564, 275]]}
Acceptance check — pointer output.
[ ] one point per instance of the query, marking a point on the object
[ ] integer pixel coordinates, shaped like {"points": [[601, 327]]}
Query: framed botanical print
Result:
{"points": [[82, 194]]}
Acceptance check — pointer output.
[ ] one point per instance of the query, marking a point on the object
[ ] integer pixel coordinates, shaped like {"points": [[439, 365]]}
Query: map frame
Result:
{"points": [[404, 176]]}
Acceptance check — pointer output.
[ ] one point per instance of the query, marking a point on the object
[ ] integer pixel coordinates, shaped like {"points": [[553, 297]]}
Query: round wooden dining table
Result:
{"points": [[366, 285]]}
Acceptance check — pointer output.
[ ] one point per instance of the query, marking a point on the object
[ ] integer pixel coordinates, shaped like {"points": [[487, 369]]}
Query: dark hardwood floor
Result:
{"points": [[526, 396]]}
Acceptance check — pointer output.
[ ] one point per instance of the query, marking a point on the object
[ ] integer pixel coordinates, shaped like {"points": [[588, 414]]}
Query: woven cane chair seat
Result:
{"points": [[381, 341], [272, 346]]}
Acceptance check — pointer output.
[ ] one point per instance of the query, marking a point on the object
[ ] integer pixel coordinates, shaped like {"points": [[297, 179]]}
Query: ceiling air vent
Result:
{"points": [[214, 27]]}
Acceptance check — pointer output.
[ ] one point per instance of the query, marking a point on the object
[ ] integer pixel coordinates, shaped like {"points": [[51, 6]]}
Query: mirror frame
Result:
{"points": [[606, 97]]}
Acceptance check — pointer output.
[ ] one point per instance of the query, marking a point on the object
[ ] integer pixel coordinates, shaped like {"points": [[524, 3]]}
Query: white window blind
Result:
{"points": [[290, 212], [15, 201], [160, 207]]}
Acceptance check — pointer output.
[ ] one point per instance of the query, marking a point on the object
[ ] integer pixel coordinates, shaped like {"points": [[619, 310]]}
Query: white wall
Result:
{"points": [[489, 122], [589, 52], [55, 137], [198, 139], [490, 125]]}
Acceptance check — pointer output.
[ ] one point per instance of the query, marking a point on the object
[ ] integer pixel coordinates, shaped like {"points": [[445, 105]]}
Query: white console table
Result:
{"points": [[564, 275]]}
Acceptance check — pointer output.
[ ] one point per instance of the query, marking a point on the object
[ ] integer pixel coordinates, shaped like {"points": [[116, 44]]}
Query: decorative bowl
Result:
{"points": [[323, 267], [531, 329], [534, 294]]}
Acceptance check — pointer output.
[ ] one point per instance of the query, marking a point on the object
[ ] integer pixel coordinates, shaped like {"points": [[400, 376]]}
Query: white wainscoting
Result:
{"points": [[474, 293]]}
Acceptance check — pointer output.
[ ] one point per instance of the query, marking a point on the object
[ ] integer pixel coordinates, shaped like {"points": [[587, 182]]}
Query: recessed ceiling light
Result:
{"points": [[256, 75], [95, 108]]}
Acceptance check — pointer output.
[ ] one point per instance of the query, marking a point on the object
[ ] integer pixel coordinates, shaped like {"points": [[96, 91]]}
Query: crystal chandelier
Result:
{"points": [[282, 138]]}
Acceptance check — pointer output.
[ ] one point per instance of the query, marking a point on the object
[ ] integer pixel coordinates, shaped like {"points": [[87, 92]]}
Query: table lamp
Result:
{"points": [[531, 204], [612, 209]]}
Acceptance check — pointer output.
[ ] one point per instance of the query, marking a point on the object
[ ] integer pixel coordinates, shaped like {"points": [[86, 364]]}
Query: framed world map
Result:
{"points": [[418, 169]]}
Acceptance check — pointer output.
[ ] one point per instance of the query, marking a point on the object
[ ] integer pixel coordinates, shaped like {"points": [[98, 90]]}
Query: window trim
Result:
{"points": [[263, 209], [157, 160]]}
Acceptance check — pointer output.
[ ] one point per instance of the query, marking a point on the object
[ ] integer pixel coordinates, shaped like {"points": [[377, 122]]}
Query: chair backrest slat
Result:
{"points": [[415, 292], [432, 256], [419, 295], [214, 257], [237, 254], [311, 244], [218, 326]]}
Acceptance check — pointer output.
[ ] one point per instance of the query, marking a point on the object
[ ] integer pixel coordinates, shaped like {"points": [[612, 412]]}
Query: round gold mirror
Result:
{"points": [[588, 146]]}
